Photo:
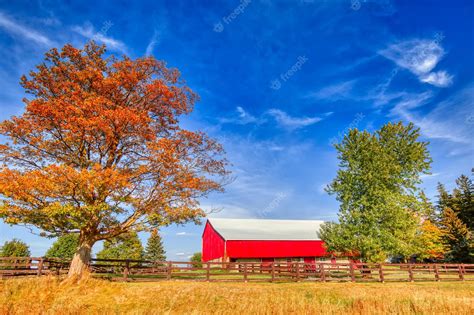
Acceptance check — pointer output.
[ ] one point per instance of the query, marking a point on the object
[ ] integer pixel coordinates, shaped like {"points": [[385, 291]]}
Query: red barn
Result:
{"points": [[262, 240]]}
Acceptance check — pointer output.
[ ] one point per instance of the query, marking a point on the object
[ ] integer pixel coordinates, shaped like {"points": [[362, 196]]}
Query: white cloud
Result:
{"points": [[339, 91], [88, 31], [155, 40], [244, 116], [23, 32], [419, 56], [447, 121], [289, 122], [439, 79]]}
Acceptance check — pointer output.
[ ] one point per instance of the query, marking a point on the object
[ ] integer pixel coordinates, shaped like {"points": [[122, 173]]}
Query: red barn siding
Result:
{"points": [[276, 249], [213, 245]]}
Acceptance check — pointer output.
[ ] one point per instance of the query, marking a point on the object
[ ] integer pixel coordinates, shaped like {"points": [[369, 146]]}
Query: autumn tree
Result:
{"points": [[124, 246], [99, 150], [64, 247], [381, 207], [154, 250]]}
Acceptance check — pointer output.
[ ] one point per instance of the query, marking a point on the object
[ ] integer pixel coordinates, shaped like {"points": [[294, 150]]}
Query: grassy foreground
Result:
{"points": [[92, 296]]}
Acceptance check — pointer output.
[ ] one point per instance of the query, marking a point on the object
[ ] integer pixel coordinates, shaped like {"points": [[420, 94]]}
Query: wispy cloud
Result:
{"points": [[335, 92], [290, 122], [439, 79], [89, 32], [155, 40], [420, 57], [449, 119], [241, 117], [23, 32]]}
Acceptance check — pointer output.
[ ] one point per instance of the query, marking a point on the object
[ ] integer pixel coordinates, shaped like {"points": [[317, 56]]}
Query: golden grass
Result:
{"points": [[49, 296]]}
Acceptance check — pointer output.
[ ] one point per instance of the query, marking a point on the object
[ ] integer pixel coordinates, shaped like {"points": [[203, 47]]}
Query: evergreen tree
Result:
{"points": [[463, 197], [126, 246], [154, 248], [457, 237], [381, 209], [64, 247], [15, 248]]}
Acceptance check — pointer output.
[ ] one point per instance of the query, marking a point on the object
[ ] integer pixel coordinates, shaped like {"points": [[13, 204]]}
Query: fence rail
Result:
{"points": [[143, 270]]}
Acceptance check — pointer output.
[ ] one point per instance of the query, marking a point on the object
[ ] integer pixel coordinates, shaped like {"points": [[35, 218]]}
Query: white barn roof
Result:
{"points": [[260, 229]]}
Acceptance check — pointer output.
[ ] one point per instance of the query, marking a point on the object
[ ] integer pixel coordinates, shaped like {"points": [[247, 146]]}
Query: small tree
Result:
{"points": [[154, 248], [125, 246], [64, 247], [196, 258], [15, 248], [99, 150]]}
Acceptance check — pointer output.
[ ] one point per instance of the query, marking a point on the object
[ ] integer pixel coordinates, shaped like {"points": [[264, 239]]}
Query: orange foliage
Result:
{"points": [[99, 149]]}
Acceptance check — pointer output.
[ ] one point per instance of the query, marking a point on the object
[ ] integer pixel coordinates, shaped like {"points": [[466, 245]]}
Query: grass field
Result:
{"points": [[93, 296]]}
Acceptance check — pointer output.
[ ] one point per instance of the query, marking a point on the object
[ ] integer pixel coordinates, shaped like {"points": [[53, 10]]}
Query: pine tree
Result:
{"points": [[154, 248], [458, 237], [463, 197], [125, 246]]}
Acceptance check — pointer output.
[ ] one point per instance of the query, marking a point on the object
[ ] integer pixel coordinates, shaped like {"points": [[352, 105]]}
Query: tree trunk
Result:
{"points": [[80, 262]]}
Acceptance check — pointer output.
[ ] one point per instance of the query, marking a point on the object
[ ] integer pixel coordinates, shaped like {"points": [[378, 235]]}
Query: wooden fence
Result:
{"points": [[142, 270]]}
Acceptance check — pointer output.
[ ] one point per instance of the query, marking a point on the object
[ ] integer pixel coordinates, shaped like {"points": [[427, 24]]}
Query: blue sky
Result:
{"points": [[279, 82]]}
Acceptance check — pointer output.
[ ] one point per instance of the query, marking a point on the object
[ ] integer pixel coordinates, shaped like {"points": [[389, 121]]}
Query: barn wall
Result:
{"points": [[213, 245], [261, 249]]}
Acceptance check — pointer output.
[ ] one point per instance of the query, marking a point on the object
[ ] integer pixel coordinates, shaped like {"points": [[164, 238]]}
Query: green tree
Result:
{"points": [[154, 248], [381, 207], [64, 247], [196, 258], [15, 248], [125, 246]]}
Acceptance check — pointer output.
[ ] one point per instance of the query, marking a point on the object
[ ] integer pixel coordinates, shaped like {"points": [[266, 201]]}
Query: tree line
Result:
{"points": [[127, 246], [384, 214]]}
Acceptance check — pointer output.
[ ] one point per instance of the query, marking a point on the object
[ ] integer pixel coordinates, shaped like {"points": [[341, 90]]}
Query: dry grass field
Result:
{"points": [[49, 296]]}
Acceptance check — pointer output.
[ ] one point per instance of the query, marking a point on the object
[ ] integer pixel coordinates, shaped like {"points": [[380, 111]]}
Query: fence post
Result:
{"points": [[273, 271], [461, 273], [168, 271], [208, 271], [126, 270], [323, 274], [410, 272], [245, 272], [382, 279], [436, 272], [40, 266], [351, 269], [297, 271]]}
